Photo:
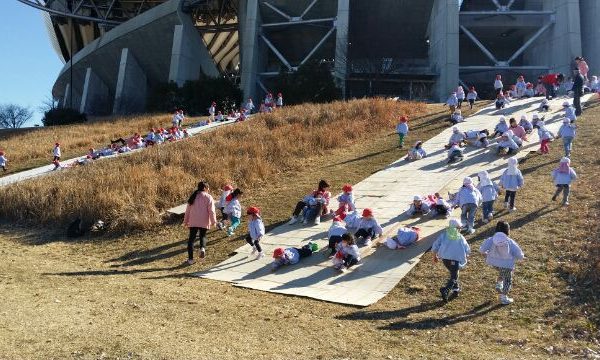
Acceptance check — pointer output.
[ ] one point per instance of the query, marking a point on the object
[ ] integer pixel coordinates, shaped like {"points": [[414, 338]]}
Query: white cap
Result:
{"points": [[566, 104], [417, 198]]}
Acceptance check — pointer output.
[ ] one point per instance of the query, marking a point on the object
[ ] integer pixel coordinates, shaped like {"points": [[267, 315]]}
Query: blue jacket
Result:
{"points": [[256, 229], [449, 249], [402, 128], [489, 192], [567, 130], [468, 196], [290, 256], [406, 236], [562, 178], [512, 182], [509, 143], [336, 229], [501, 251]]}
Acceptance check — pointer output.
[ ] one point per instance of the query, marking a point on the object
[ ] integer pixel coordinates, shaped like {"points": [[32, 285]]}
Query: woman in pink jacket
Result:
{"points": [[199, 217]]}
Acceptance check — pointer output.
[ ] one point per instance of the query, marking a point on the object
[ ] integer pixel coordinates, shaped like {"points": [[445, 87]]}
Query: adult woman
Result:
{"points": [[199, 217]]}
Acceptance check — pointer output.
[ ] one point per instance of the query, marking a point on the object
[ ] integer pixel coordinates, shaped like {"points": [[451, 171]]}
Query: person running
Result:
{"points": [[199, 217]]}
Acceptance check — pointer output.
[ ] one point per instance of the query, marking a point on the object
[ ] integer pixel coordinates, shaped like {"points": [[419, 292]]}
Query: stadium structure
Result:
{"points": [[116, 51]]}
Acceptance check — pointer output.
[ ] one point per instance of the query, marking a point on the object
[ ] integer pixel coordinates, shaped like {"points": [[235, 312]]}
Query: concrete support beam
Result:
{"points": [[567, 35], [250, 25], [341, 44], [443, 46], [71, 102], [95, 95], [132, 87], [189, 56], [590, 35]]}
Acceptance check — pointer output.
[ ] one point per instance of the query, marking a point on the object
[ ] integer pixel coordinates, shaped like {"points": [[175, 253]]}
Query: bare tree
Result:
{"points": [[49, 103], [13, 116]]}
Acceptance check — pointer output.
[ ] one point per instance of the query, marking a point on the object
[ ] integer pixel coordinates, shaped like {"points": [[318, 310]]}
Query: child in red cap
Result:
{"points": [[291, 256], [347, 254], [402, 130], [346, 202], [256, 230], [368, 227]]}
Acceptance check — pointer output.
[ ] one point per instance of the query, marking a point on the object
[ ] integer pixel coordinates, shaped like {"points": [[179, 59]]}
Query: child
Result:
{"points": [[405, 237], [567, 131], [220, 117], [569, 111], [418, 207], [211, 112], [498, 86], [335, 233], [512, 93], [312, 211], [176, 119], [249, 107], [323, 186], [226, 190], [535, 118], [529, 92], [441, 207], [471, 97], [417, 152], [511, 180], [368, 227], [563, 175], [453, 249], [489, 193], [292, 256], [402, 129], [352, 220], [518, 131], [456, 117], [502, 252], [545, 135], [346, 202], [501, 127], [468, 199], [526, 124], [457, 137], [452, 102], [455, 154], [477, 138], [3, 161], [347, 255], [501, 101], [234, 211], [507, 144], [521, 86], [544, 105], [256, 230], [595, 84], [279, 101], [56, 153], [460, 96]]}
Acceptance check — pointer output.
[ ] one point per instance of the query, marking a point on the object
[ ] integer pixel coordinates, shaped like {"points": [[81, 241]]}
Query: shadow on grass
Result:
{"points": [[364, 157], [392, 314], [119, 272]]}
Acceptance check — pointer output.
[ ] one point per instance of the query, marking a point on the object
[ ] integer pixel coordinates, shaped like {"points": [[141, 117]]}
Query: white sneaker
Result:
{"points": [[190, 262], [260, 255], [254, 251], [293, 220], [368, 241], [202, 253], [470, 230], [566, 204], [491, 217], [317, 220], [220, 225], [499, 286], [513, 209], [343, 269], [505, 300], [506, 205]]}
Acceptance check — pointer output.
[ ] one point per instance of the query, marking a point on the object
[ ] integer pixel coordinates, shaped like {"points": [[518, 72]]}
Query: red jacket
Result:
{"points": [[550, 79]]}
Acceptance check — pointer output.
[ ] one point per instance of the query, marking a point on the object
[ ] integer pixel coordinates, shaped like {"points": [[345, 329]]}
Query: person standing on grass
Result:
{"points": [[233, 209], [471, 97], [489, 193], [468, 198], [502, 252], [511, 180], [567, 132], [460, 95], [452, 248], [3, 161], [199, 217], [56, 153], [578, 82], [256, 230], [402, 129], [452, 102], [563, 175], [212, 110], [498, 85]]}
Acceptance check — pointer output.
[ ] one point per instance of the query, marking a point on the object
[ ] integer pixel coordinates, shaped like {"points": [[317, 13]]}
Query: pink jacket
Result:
{"points": [[202, 212]]}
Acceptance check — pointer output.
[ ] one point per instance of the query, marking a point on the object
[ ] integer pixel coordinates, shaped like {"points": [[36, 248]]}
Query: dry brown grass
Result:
{"points": [[129, 193], [129, 297], [29, 148]]}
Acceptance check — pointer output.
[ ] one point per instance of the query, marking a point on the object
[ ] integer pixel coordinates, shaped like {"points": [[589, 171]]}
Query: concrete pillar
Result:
{"points": [[95, 95], [249, 28], [131, 91], [590, 34], [443, 46], [71, 103], [566, 36], [189, 56], [341, 44]]}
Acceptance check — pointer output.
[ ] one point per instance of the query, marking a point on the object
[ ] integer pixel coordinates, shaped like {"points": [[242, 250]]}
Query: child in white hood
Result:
{"points": [[452, 248], [526, 124], [511, 180], [567, 132], [456, 117], [563, 175], [569, 111], [368, 227], [501, 127], [502, 252], [489, 193], [544, 105]]}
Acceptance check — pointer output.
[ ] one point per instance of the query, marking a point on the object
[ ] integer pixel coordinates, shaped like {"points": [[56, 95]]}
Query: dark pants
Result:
{"points": [[299, 206], [471, 103], [193, 233], [333, 241], [224, 216], [365, 233], [509, 197], [453, 268], [304, 251], [119, 140], [550, 92], [577, 104], [254, 243], [349, 261]]}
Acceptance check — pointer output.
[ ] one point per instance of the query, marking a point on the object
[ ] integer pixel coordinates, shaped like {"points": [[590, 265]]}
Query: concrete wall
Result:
{"points": [[443, 46], [249, 15], [590, 33], [132, 86]]}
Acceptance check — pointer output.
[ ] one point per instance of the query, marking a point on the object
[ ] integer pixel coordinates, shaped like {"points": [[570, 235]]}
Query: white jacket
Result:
{"points": [[223, 199], [56, 151], [234, 208]]}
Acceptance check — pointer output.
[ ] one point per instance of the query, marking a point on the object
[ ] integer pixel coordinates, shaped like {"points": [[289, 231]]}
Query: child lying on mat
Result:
{"points": [[405, 237]]}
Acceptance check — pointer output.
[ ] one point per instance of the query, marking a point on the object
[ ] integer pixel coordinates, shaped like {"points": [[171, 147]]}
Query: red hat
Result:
{"points": [[227, 187], [403, 118], [347, 188], [472, 88], [253, 210], [337, 218], [57, 144], [278, 252], [278, 94], [367, 212], [1, 153]]}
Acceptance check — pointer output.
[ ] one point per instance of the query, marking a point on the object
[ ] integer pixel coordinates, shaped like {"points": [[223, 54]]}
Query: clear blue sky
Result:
{"points": [[28, 63]]}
